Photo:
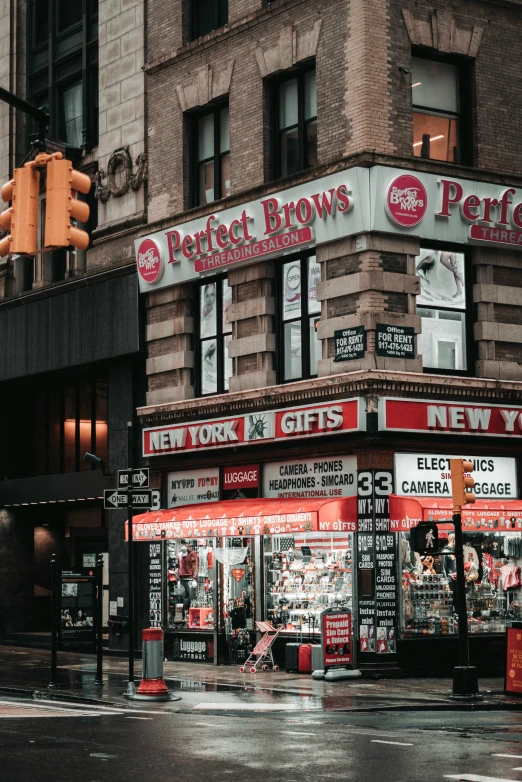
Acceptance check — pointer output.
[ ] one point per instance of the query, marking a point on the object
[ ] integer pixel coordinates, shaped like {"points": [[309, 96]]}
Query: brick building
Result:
{"points": [[333, 225], [325, 219]]}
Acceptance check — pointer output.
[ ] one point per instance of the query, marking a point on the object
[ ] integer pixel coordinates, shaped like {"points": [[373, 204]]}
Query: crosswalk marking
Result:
{"points": [[476, 778], [397, 743], [238, 706], [503, 755]]}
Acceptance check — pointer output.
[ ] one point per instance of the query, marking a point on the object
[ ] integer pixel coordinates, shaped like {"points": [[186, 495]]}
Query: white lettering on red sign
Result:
{"points": [[406, 200], [149, 261], [410, 415], [308, 421]]}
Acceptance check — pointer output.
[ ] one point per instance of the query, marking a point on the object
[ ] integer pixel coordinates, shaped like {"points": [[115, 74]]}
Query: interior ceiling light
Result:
{"points": [[417, 84], [432, 138]]}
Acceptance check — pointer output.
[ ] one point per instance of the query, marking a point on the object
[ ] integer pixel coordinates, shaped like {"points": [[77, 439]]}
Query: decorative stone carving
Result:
{"points": [[205, 84], [294, 45], [120, 160], [443, 33]]}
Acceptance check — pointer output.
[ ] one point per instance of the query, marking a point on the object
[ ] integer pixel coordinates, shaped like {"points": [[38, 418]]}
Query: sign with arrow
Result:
{"points": [[140, 478], [139, 498]]}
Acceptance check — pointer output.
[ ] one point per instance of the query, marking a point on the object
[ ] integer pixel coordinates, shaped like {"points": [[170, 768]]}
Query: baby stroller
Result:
{"points": [[262, 653]]}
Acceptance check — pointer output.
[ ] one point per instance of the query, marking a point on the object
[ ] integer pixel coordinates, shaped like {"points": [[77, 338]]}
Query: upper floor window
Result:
{"points": [[211, 167], [206, 15], [295, 123], [442, 307], [300, 313], [63, 69], [214, 366], [438, 116], [70, 420]]}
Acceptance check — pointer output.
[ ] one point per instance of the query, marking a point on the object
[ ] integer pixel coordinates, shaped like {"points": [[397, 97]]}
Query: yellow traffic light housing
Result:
{"points": [[22, 216], [62, 206], [461, 483]]}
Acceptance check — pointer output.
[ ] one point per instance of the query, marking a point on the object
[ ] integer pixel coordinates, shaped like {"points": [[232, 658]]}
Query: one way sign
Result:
{"points": [[146, 498], [140, 478]]}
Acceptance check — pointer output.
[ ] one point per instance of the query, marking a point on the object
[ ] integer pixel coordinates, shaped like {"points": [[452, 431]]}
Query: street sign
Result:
{"points": [[114, 499], [140, 498], [140, 478]]}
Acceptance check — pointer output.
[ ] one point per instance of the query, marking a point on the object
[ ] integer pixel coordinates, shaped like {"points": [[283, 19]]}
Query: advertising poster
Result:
{"points": [[336, 633], [155, 585], [77, 596], [514, 659], [442, 279], [326, 478], [192, 486]]}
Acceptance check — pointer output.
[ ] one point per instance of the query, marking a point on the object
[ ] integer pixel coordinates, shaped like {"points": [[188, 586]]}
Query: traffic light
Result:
{"points": [[22, 216], [62, 206], [461, 484]]}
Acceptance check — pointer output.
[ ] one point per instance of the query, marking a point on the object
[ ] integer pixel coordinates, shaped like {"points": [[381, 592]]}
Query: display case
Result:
{"points": [[493, 584], [190, 584], [304, 575]]}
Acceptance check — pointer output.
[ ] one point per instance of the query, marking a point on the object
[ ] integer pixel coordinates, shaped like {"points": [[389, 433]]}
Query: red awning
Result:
{"points": [[234, 518], [406, 512]]}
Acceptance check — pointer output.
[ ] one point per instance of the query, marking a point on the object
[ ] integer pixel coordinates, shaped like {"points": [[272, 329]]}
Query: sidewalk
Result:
{"points": [[27, 671]]}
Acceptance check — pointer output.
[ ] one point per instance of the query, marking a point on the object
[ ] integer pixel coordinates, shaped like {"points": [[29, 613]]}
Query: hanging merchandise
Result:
{"points": [[230, 556]]}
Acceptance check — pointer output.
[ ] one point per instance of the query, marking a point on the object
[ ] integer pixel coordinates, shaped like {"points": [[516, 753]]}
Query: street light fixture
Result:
{"points": [[91, 458]]}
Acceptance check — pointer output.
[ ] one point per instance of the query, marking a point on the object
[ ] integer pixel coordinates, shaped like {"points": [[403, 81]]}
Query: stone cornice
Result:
{"points": [[369, 384]]}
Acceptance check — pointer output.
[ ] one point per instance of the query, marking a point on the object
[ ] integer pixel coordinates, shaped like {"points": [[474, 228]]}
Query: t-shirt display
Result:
{"points": [[492, 566]]}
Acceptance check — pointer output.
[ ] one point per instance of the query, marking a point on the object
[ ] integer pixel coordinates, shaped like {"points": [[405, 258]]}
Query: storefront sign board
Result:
{"points": [[350, 343], [415, 415], [446, 208], [190, 486], [318, 211], [270, 425], [327, 478], [483, 516], [394, 341], [336, 638], [423, 475], [514, 659], [243, 477], [155, 585]]}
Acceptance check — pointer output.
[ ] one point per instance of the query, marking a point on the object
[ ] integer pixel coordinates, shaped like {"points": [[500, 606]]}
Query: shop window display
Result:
{"points": [[190, 584], [304, 575], [492, 563]]}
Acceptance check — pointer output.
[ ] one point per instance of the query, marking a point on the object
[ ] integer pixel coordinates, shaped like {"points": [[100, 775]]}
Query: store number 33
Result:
{"points": [[379, 482]]}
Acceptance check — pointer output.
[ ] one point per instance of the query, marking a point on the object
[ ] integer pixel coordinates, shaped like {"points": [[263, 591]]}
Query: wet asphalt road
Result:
{"points": [[50, 741]]}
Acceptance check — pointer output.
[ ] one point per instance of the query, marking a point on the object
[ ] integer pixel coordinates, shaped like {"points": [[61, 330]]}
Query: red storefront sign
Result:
{"points": [[237, 518], [246, 477], [514, 659], [270, 425], [412, 415], [336, 634]]}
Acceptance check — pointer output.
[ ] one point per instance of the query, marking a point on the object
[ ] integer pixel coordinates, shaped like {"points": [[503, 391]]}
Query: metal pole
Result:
{"points": [[99, 621], [54, 624], [461, 592], [465, 680], [131, 688]]}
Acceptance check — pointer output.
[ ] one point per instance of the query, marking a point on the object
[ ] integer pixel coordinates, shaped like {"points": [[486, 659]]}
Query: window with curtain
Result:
{"points": [[211, 156], [72, 98], [442, 307], [214, 332], [295, 123], [300, 314], [437, 110]]}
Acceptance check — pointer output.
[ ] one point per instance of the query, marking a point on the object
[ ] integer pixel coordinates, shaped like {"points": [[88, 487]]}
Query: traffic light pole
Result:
{"points": [[465, 682], [131, 687], [40, 115]]}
